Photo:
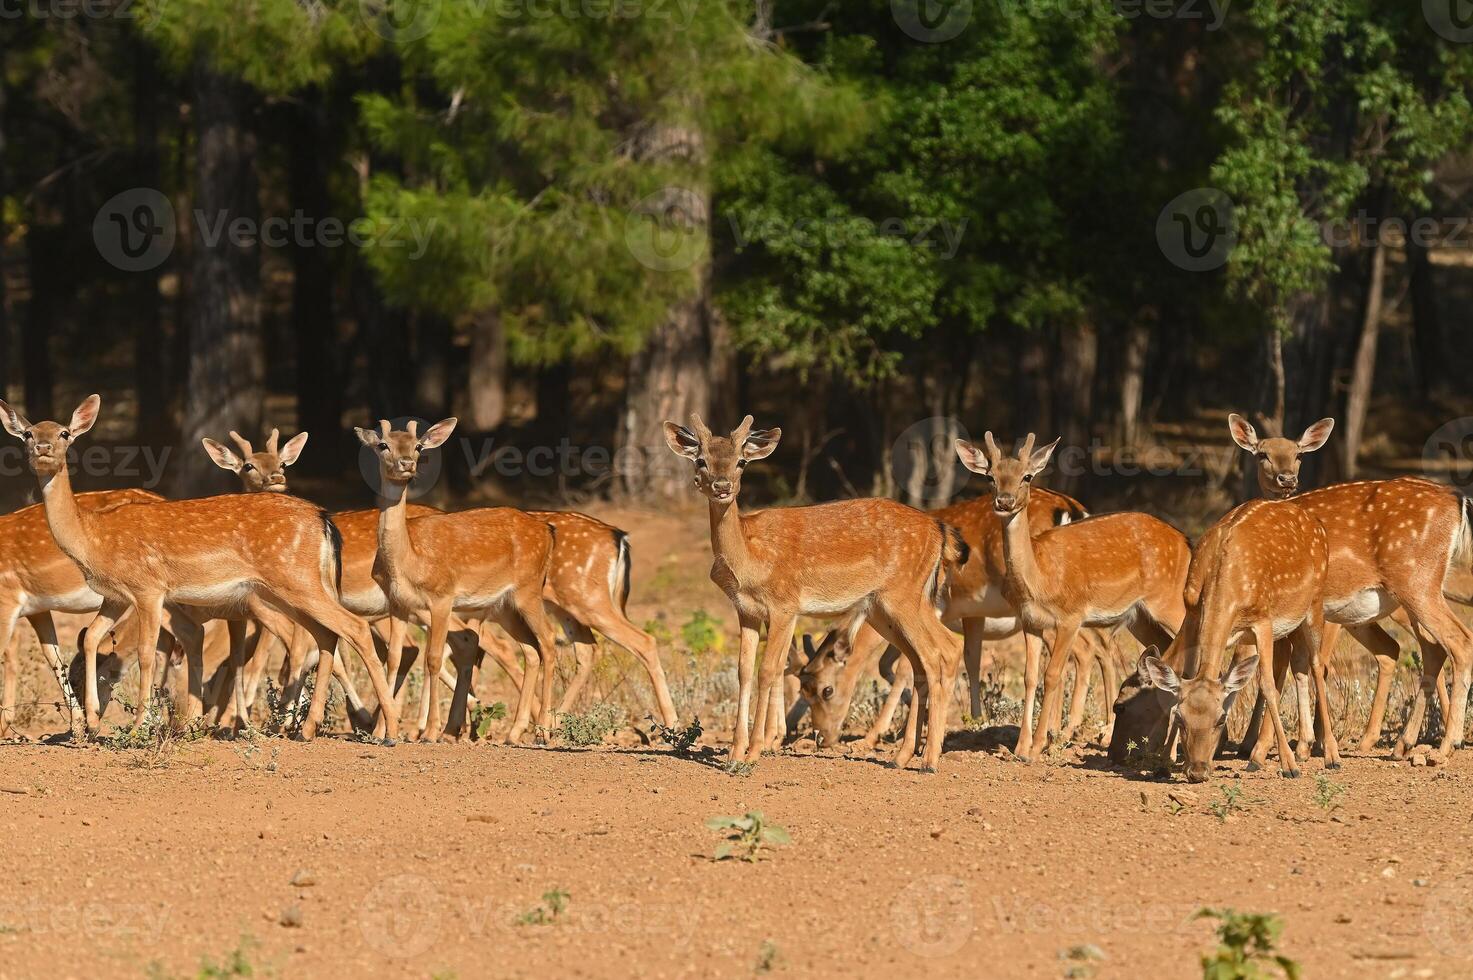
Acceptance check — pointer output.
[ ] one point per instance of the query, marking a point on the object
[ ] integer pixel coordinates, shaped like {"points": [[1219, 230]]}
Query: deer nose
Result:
{"points": [[721, 486], [43, 448], [1196, 773], [1285, 480]]}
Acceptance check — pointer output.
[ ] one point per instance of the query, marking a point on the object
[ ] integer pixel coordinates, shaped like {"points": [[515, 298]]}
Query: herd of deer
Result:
{"points": [[1284, 573]]}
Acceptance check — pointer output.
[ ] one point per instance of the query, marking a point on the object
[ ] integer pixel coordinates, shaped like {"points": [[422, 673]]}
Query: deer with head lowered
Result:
{"points": [[254, 553], [1109, 570], [489, 562], [1391, 545], [869, 560]]}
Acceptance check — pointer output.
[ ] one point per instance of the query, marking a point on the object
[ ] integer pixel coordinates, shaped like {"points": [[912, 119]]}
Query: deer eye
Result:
{"points": [[1262, 455], [1027, 477], [66, 433], [248, 467], [741, 464], [700, 463], [383, 447]]}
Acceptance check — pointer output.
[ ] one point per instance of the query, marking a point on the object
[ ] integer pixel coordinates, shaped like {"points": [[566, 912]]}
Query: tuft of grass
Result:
{"points": [[1232, 799], [1327, 792], [483, 716], [1246, 947], [739, 767], [747, 836], [589, 727], [767, 957], [682, 740], [702, 633], [554, 900], [155, 739]]}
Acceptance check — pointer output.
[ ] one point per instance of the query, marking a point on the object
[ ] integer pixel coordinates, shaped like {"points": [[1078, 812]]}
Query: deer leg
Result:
{"points": [[1084, 664], [1288, 768], [1384, 648], [1060, 642], [746, 665], [1319, 663], [780, 626], [620, 630], [584, 655], [1033, 652], [150, 610], [1110, 673], [100, 626], [464, 650], [434, 657], [1299, 666], [8, 644], [972, 630], [45, 628], [902, 680]]}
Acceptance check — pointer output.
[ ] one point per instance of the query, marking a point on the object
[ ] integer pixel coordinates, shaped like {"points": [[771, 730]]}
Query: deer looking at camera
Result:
{"points": [[1391, 545], [869, 560], [1116, 569], [256, 552]]}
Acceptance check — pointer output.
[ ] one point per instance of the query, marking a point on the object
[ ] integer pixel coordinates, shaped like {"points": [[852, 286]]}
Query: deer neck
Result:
{"points": [[395, 549], [64, 517], [1023, 577], [728, 540]]}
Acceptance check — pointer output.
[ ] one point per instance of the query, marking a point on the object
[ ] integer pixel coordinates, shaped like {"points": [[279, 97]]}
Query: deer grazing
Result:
{"points": [[1258, 573], [254, 553], [1391, 544], [490, 562], [869, 560], [1116, 569]]}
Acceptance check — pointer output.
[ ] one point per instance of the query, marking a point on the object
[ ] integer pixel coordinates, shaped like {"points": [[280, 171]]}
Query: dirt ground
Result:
{"points": [[216, 858]]}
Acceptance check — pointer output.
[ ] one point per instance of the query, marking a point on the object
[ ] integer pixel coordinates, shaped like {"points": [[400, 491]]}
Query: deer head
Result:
{"points": [[258, 471], [818, 675], [1278, 458], [1010, 477], [1201, 706], [47, 442], [398, 450], [720, 460]]}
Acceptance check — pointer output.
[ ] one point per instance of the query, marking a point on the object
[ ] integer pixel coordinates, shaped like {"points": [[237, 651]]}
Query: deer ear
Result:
{"points": [[761, 444], [1155, 670], [1242, 671], [292, 449], [1040, 457], [224, 458], [973, 458], [682, 441], [15, 423], [1243, 433], [85, 415], [436, 435], [1316, 435], [369, 437]]}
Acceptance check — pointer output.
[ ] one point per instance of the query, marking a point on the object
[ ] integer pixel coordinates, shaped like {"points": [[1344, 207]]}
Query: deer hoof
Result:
{"points": [[1289, 773], [1252, 766], [387, 743]]}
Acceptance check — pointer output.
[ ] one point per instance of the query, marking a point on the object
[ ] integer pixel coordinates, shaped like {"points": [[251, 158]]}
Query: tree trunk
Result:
{"points": [[314, 315], [1363, 371], [1033, 394], [487, 372], [150, 364], [227, 362], [1133, 381], [1426, 323], [1078, 360], [40, 323], [432, 382], [667, 380]]}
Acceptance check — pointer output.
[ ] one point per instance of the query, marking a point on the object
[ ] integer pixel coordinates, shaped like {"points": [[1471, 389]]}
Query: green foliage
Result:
{"points": [[747, 836], [682, 740], [589, 727], [483, 716], [554, 901], [767, 957], [1232, 800], [702, 633], [1327, 792], [1246, 947]]}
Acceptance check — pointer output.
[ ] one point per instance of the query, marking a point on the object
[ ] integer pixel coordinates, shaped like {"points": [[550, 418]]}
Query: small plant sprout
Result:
{"points": [[1246, 947], [1327, 793], [746, 836], [767, 957], [590, 727], [681, 740], [483, 716], [739, 767], [554, 901], [702, 633], [1232, 799]]}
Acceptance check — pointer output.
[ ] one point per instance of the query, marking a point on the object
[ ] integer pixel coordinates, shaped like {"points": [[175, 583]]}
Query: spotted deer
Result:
{"points": [[869, 560], [1105, 571], [1391, 545], [1258, 574], [256, 553], [490, 562]]}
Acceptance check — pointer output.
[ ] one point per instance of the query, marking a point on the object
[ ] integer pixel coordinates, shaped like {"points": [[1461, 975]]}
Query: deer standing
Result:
{"points": [[1116, 569], [490, 562], [257, 553], [874, 560], [1391, 544]]}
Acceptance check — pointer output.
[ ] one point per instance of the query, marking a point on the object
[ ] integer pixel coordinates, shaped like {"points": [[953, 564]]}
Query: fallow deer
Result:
{"points": [[252, 552], [490, 562], [1391, 544], [869, 560], [1116, 569]]}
